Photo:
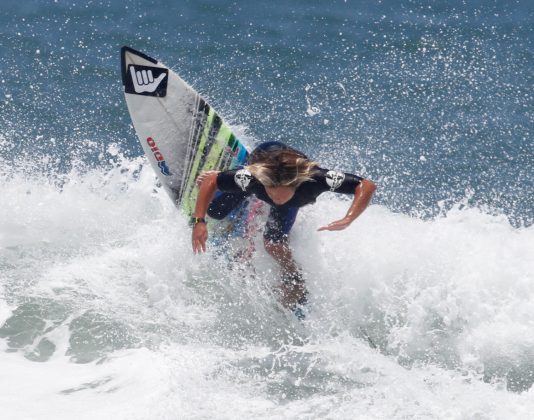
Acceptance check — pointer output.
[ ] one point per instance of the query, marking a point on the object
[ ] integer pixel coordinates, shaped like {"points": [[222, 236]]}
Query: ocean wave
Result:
{"points": [[100, 264]]}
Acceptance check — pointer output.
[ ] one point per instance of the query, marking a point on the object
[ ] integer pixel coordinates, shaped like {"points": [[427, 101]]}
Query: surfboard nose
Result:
{"points": [[127, 57]]}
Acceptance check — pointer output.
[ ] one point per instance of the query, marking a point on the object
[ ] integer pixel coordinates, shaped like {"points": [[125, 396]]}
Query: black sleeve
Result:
{"points": [[340, 182], [236, 180]]}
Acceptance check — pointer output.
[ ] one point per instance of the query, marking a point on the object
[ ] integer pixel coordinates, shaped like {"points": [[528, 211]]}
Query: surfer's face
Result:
{"points": [[280, 195]]}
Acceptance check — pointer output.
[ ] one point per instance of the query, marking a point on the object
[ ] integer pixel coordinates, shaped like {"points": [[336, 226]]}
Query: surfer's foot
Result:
{"points": [[299, 308], [299, 313]]}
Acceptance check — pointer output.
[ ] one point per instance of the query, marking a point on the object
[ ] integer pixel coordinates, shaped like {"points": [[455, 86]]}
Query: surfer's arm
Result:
{"points": [[362, 196], [200, 179], [208, 186]]}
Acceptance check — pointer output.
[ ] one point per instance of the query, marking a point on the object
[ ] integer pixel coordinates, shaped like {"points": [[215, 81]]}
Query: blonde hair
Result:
{"points": [[281, 168]]}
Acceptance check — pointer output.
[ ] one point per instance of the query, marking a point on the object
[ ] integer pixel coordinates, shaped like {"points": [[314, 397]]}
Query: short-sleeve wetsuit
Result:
{"points": [[238, 184]]}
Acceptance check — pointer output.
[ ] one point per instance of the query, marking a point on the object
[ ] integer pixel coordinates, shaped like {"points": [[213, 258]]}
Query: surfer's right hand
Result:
{"points": [[200, 179], [199, 238]]}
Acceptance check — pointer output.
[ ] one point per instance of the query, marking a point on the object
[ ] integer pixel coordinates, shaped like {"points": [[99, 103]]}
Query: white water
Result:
{"points": [[109, 315]]}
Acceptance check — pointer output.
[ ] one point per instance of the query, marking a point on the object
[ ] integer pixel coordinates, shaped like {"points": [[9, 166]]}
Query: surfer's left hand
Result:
{"points": [[337, 225]]}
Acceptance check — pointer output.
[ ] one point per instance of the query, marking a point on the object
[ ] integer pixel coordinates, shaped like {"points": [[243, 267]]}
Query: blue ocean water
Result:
{"points": [[429, 99], [433, 100]]}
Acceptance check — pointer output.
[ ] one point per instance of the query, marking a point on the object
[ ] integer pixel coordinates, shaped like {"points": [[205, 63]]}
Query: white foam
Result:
{"points": [[448, 302]]}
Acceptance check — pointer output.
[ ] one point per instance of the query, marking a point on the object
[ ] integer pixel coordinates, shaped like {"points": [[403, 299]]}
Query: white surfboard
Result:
{"points": [[180, 133]]}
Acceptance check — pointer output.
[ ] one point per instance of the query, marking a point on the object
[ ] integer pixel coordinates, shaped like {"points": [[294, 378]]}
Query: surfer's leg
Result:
{"points": [[292, 288], [276, 235]]}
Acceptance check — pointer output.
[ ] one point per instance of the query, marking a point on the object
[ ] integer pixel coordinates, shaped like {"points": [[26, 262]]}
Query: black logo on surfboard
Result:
{"points": [[147, 81]]}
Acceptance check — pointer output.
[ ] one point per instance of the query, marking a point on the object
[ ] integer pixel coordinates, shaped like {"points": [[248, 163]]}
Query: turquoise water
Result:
{"points": [[102, 303]]}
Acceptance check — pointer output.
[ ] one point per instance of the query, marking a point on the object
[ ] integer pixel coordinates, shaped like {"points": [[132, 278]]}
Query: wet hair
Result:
{"points": [[281, 168]]}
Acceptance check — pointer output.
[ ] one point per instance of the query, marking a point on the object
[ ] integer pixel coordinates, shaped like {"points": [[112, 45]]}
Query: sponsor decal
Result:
{"points": [[232, 152], [147, 81], [158, 156], [334, 179], [242, 178]]}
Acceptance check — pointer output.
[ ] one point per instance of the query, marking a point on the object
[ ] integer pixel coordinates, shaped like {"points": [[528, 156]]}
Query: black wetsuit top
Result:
{"points": [[242, 181], [236, 185]]}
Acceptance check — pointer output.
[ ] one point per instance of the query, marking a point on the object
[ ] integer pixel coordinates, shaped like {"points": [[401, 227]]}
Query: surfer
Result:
{"points": [[287, 180]]}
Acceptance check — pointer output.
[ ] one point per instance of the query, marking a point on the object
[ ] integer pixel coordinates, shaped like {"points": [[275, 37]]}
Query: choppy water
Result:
{"points": [[422, 309]]}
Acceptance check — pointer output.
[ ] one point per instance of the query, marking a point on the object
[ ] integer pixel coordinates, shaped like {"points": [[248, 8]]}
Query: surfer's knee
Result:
{"points": [[274, 248], [274, 236], [281, 252]]}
